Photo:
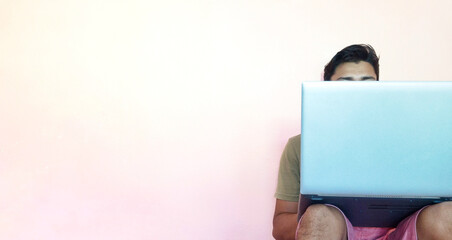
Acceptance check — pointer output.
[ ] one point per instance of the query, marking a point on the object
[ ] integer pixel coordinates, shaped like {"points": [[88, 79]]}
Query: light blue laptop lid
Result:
{"points": [[376, 139]]}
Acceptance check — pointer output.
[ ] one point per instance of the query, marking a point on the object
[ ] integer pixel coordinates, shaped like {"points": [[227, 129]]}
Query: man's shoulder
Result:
{"points": [[295, 139], [293, 146]]}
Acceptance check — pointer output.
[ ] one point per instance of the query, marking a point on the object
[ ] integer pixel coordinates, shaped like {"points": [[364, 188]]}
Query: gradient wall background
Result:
{"points": [[166, 119]]}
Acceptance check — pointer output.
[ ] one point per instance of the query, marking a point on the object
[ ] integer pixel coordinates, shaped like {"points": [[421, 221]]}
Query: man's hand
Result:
{"points": [[285, 220]]}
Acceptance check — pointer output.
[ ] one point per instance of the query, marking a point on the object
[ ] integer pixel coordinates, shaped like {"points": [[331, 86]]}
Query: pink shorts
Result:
{"points": [[406, 230]]}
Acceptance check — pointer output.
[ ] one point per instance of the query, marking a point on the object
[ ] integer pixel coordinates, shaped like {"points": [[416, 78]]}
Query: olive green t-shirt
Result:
{"points": [[288, 187]]}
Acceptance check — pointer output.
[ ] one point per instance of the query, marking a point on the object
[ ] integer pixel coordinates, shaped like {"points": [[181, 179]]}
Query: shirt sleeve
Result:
{"points": [[288, 187]]}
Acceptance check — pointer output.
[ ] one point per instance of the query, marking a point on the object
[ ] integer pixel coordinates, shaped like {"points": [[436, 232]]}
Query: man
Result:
{"points": [[353, 63]]}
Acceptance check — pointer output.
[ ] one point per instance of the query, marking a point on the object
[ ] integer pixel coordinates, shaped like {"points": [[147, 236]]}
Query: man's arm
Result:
{"points": [[285, 220]]}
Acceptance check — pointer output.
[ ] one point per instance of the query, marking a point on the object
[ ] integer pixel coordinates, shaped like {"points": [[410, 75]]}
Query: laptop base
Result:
{"points": [[368, 211]]}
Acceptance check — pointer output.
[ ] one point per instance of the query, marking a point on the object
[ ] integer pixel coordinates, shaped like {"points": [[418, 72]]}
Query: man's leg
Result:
{"points": [[435, 222], [322, 222]]}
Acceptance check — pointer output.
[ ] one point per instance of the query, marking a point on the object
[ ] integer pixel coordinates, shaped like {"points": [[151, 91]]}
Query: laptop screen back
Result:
{"points": [[388, 139]]}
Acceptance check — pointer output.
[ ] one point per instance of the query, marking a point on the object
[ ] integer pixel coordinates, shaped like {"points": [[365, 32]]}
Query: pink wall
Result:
{"points": [[166, 119]]}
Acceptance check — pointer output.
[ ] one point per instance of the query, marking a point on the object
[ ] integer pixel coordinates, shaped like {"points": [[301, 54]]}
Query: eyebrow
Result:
{"points": [[351, 78], [345, 78], [367, 78]]}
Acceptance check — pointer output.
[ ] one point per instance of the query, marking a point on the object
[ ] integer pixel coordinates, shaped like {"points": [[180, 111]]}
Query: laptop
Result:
{"points": [[379, 151]]}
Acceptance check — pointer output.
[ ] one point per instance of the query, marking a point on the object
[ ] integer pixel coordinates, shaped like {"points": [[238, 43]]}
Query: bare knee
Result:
{"points": [[323, 212], [319, 212], [435, 222], [321, 220]]}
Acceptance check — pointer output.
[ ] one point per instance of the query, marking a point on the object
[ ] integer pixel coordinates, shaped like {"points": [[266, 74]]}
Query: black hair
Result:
{"points": [[353, 53]]}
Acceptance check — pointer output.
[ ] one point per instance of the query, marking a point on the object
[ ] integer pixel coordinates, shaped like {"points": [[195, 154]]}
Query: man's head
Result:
{"points": [[355, 62]]}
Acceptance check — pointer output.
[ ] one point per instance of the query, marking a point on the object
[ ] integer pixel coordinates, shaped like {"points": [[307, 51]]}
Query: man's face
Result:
{"points": [[351, 71]]}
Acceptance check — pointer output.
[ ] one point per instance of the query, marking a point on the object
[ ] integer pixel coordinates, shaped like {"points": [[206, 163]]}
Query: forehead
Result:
{"points": [[353, 69]]}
